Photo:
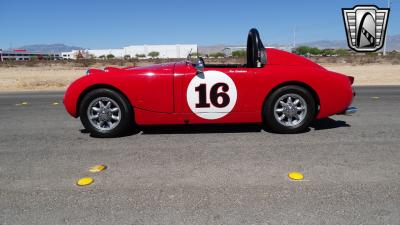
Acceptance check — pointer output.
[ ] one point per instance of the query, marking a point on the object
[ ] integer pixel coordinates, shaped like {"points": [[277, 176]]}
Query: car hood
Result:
{"points": [[159, 69], [279, 57], [163, 66]]}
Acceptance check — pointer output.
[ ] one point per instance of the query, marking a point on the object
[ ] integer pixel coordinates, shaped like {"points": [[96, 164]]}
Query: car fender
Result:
{"points": [[324, 83], [142, 90]]}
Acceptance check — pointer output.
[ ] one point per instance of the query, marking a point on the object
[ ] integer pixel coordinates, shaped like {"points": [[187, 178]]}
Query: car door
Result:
{"points": [[217, 92]]}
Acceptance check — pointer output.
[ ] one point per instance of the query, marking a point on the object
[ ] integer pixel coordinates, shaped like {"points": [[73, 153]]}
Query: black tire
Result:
{"points": [[272, 122], [126, 113]]}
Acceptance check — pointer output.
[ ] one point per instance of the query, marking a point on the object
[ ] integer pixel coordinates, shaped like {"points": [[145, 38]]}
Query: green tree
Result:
{"points": [[239, 54], [342, 52], [153, 54], [110, 56], [217, 55], [328, 52], [315, 51], [102, 57], [140, 55], [306, 50], [302, 50]]}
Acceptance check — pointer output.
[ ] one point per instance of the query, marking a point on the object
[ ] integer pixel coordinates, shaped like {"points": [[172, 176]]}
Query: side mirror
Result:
{"points": [[199, 66]]}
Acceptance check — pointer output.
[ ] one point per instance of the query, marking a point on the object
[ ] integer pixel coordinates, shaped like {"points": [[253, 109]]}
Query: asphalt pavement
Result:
{"points": [[236, 174]]}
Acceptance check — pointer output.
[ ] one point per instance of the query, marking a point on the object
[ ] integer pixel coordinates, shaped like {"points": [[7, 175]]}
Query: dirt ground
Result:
{"points": [[37, 78], [58, 77], [370, 74]]}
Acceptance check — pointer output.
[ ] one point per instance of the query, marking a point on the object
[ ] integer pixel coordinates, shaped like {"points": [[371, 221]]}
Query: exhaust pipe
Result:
{"points": [[350, 110]]}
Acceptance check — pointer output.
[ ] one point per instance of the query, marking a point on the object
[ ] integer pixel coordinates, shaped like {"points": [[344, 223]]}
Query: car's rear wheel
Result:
{"points": [[289, 109], [105, 113]]}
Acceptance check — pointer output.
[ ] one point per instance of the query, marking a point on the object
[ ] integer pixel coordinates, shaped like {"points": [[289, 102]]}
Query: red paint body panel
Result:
{"points": [[149, 88], [158, 93]]}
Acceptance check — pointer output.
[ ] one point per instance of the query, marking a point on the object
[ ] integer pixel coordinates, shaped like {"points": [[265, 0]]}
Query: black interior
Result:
{"points": [[256, 56], [225, 65]]}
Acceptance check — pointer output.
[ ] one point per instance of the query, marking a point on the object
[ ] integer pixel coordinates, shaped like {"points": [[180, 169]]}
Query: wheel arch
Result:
{"points": [[98, 86], [297, 83]]}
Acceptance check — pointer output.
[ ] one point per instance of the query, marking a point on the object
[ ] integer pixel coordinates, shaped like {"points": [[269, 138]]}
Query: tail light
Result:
{"points": [[351, 79]]}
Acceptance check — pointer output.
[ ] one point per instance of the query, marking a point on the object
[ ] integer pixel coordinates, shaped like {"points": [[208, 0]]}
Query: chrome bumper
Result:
{"points": [[350, 110]]}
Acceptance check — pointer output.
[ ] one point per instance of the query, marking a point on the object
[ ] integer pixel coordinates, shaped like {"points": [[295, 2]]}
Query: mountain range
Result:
{"points": [[49, 48], [393, 43]]}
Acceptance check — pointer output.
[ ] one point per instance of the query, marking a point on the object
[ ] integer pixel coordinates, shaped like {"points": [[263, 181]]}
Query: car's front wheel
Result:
{"points": [[289, 109], [105, 113]]}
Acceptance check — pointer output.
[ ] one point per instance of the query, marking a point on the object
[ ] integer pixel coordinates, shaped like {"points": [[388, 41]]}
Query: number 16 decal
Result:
{"points": [[212, 96]]}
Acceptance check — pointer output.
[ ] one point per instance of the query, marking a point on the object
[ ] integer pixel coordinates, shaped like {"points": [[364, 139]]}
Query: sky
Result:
{"points": [[118, 23]]}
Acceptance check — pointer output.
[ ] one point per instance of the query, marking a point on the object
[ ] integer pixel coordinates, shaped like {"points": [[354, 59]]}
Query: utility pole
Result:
{"points": [[384, 46]]}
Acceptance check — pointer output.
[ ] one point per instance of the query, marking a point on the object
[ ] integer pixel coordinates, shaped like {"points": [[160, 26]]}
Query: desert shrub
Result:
{"points": [[350, 59], [307, 51], [32, 62], [140, 56], [217, 55], [332, 59], [342, 52], [153, 54], [85, 62], [396, 62], [120, 62], [328, 52], [370, 58], [239, 54]]}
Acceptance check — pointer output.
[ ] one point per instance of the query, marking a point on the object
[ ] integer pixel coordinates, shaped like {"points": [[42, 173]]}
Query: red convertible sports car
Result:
{"points": [[280, 89]]}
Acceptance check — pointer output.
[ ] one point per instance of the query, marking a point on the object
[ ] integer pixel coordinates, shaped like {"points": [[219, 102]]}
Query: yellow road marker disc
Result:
{"points": [[296, 176], [84, 181], [24, 103], [97, 168], [56, 103], [375, 97]]}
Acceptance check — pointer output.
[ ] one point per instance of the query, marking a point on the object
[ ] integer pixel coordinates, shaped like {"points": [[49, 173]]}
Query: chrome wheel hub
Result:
{"points": [[104, 113], [290, 110]]}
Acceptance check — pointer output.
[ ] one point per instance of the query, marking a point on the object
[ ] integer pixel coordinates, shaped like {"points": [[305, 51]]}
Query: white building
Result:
{"points": [[24, 55], [67, 55], [228, 50], [117, 53], [165, 51], [95, 53]]}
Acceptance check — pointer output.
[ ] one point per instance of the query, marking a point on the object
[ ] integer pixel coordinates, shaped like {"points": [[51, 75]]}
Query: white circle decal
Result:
{"points": [[211, 95]]}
